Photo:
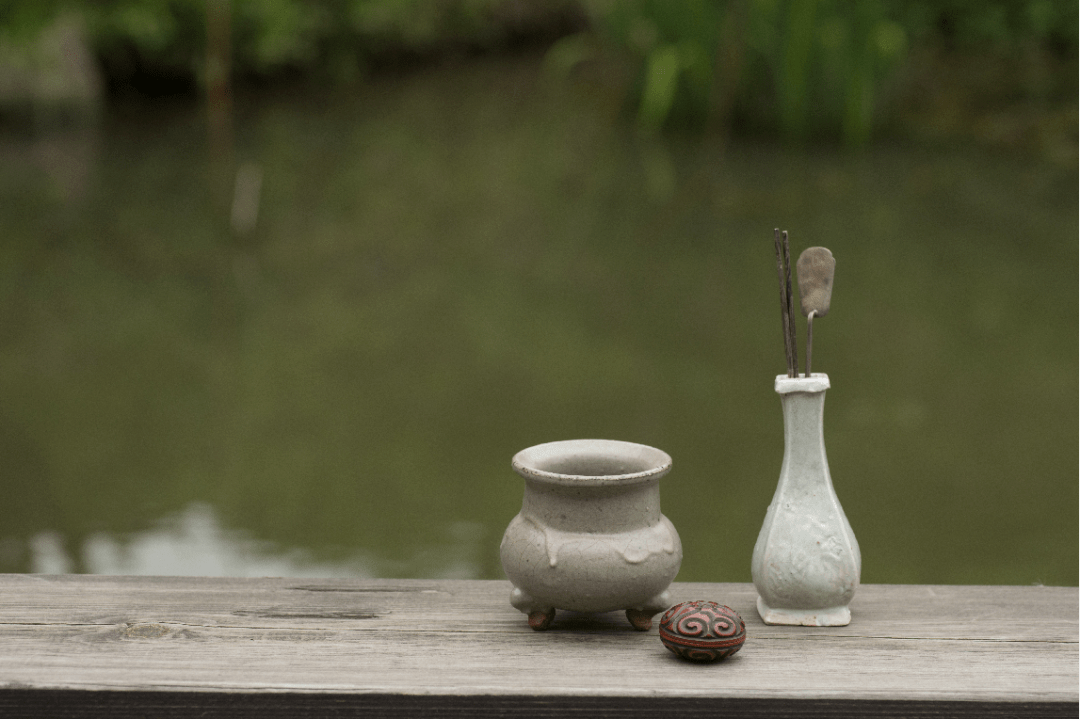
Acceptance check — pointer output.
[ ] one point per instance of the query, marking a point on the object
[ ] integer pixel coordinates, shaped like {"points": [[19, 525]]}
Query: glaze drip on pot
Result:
{"points": [[634, 547]]}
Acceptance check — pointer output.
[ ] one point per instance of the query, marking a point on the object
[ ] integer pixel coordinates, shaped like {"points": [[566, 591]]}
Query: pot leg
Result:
{"points": [[540, 616], [641, 617], [541, 620]]}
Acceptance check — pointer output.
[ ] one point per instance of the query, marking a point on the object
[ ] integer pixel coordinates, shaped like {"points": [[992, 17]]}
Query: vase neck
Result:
{"points": [[804, 436]]}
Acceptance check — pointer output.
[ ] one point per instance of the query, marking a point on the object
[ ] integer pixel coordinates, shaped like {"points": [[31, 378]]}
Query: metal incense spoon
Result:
{"points": [[815, 270]]}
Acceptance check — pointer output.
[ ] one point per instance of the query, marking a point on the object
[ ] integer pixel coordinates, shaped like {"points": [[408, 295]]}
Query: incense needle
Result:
{"points": [[785, 301], [790, 304]]}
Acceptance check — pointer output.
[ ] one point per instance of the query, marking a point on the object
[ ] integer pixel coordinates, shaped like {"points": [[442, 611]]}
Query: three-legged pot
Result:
{"points": [[590, 536]]}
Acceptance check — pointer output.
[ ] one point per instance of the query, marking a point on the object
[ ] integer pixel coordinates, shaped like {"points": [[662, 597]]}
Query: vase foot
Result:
{"points": [[540, 621], [827, 617]]}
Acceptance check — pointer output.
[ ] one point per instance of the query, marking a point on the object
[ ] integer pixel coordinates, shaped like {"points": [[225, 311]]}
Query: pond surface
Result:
{"points": [[450, 266]]}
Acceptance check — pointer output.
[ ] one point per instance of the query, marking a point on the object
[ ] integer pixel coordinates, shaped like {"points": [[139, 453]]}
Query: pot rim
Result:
{"points": [[529, 462]]}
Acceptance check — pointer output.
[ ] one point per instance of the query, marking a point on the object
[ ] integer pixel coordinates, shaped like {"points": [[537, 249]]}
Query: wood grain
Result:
{"points": [[343, 645]]}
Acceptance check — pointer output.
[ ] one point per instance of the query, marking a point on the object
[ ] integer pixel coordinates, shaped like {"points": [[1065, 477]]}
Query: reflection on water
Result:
{"points": [[193, 543], [449, 267]]}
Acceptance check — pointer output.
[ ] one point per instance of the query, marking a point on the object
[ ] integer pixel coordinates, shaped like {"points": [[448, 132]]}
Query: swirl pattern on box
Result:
{"points": [[702, 631]]}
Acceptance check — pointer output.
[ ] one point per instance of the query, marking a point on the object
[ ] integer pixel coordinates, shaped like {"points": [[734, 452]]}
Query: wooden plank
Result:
{"points": [[385, 643], [32, 704]]}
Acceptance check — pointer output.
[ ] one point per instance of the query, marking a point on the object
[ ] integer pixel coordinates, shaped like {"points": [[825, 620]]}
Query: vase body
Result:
{"points": [[590, 536], [806, 561]]}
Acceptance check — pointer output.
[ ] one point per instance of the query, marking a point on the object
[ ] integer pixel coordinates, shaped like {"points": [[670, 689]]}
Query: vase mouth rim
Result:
{"points": [[816, 382], [587, 462]]}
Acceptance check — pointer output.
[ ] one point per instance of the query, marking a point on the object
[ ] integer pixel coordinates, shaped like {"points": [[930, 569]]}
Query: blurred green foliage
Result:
{"points": [[334, 38], [799, 68]]}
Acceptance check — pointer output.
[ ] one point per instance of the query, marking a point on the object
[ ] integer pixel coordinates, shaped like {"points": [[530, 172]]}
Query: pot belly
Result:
{"points": [[590, 572]]}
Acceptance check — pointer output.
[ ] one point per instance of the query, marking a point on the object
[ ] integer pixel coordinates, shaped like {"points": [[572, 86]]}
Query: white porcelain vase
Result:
{"points": [[806, 561], [590, 536]]}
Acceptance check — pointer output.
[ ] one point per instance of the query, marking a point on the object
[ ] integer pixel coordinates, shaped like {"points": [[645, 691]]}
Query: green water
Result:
{"points": [[453, 265]]}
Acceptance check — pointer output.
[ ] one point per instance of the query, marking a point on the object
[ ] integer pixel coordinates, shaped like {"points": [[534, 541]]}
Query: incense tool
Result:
{"points": [[787, 316], [815, 270]]}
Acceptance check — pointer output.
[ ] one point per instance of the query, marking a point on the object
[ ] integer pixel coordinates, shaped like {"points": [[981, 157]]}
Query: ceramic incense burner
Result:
{"points": [[590, 536], [806, 561]]}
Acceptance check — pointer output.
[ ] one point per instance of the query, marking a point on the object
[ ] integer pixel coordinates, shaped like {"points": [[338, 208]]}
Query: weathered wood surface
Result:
{"points": [[946, 650]]}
